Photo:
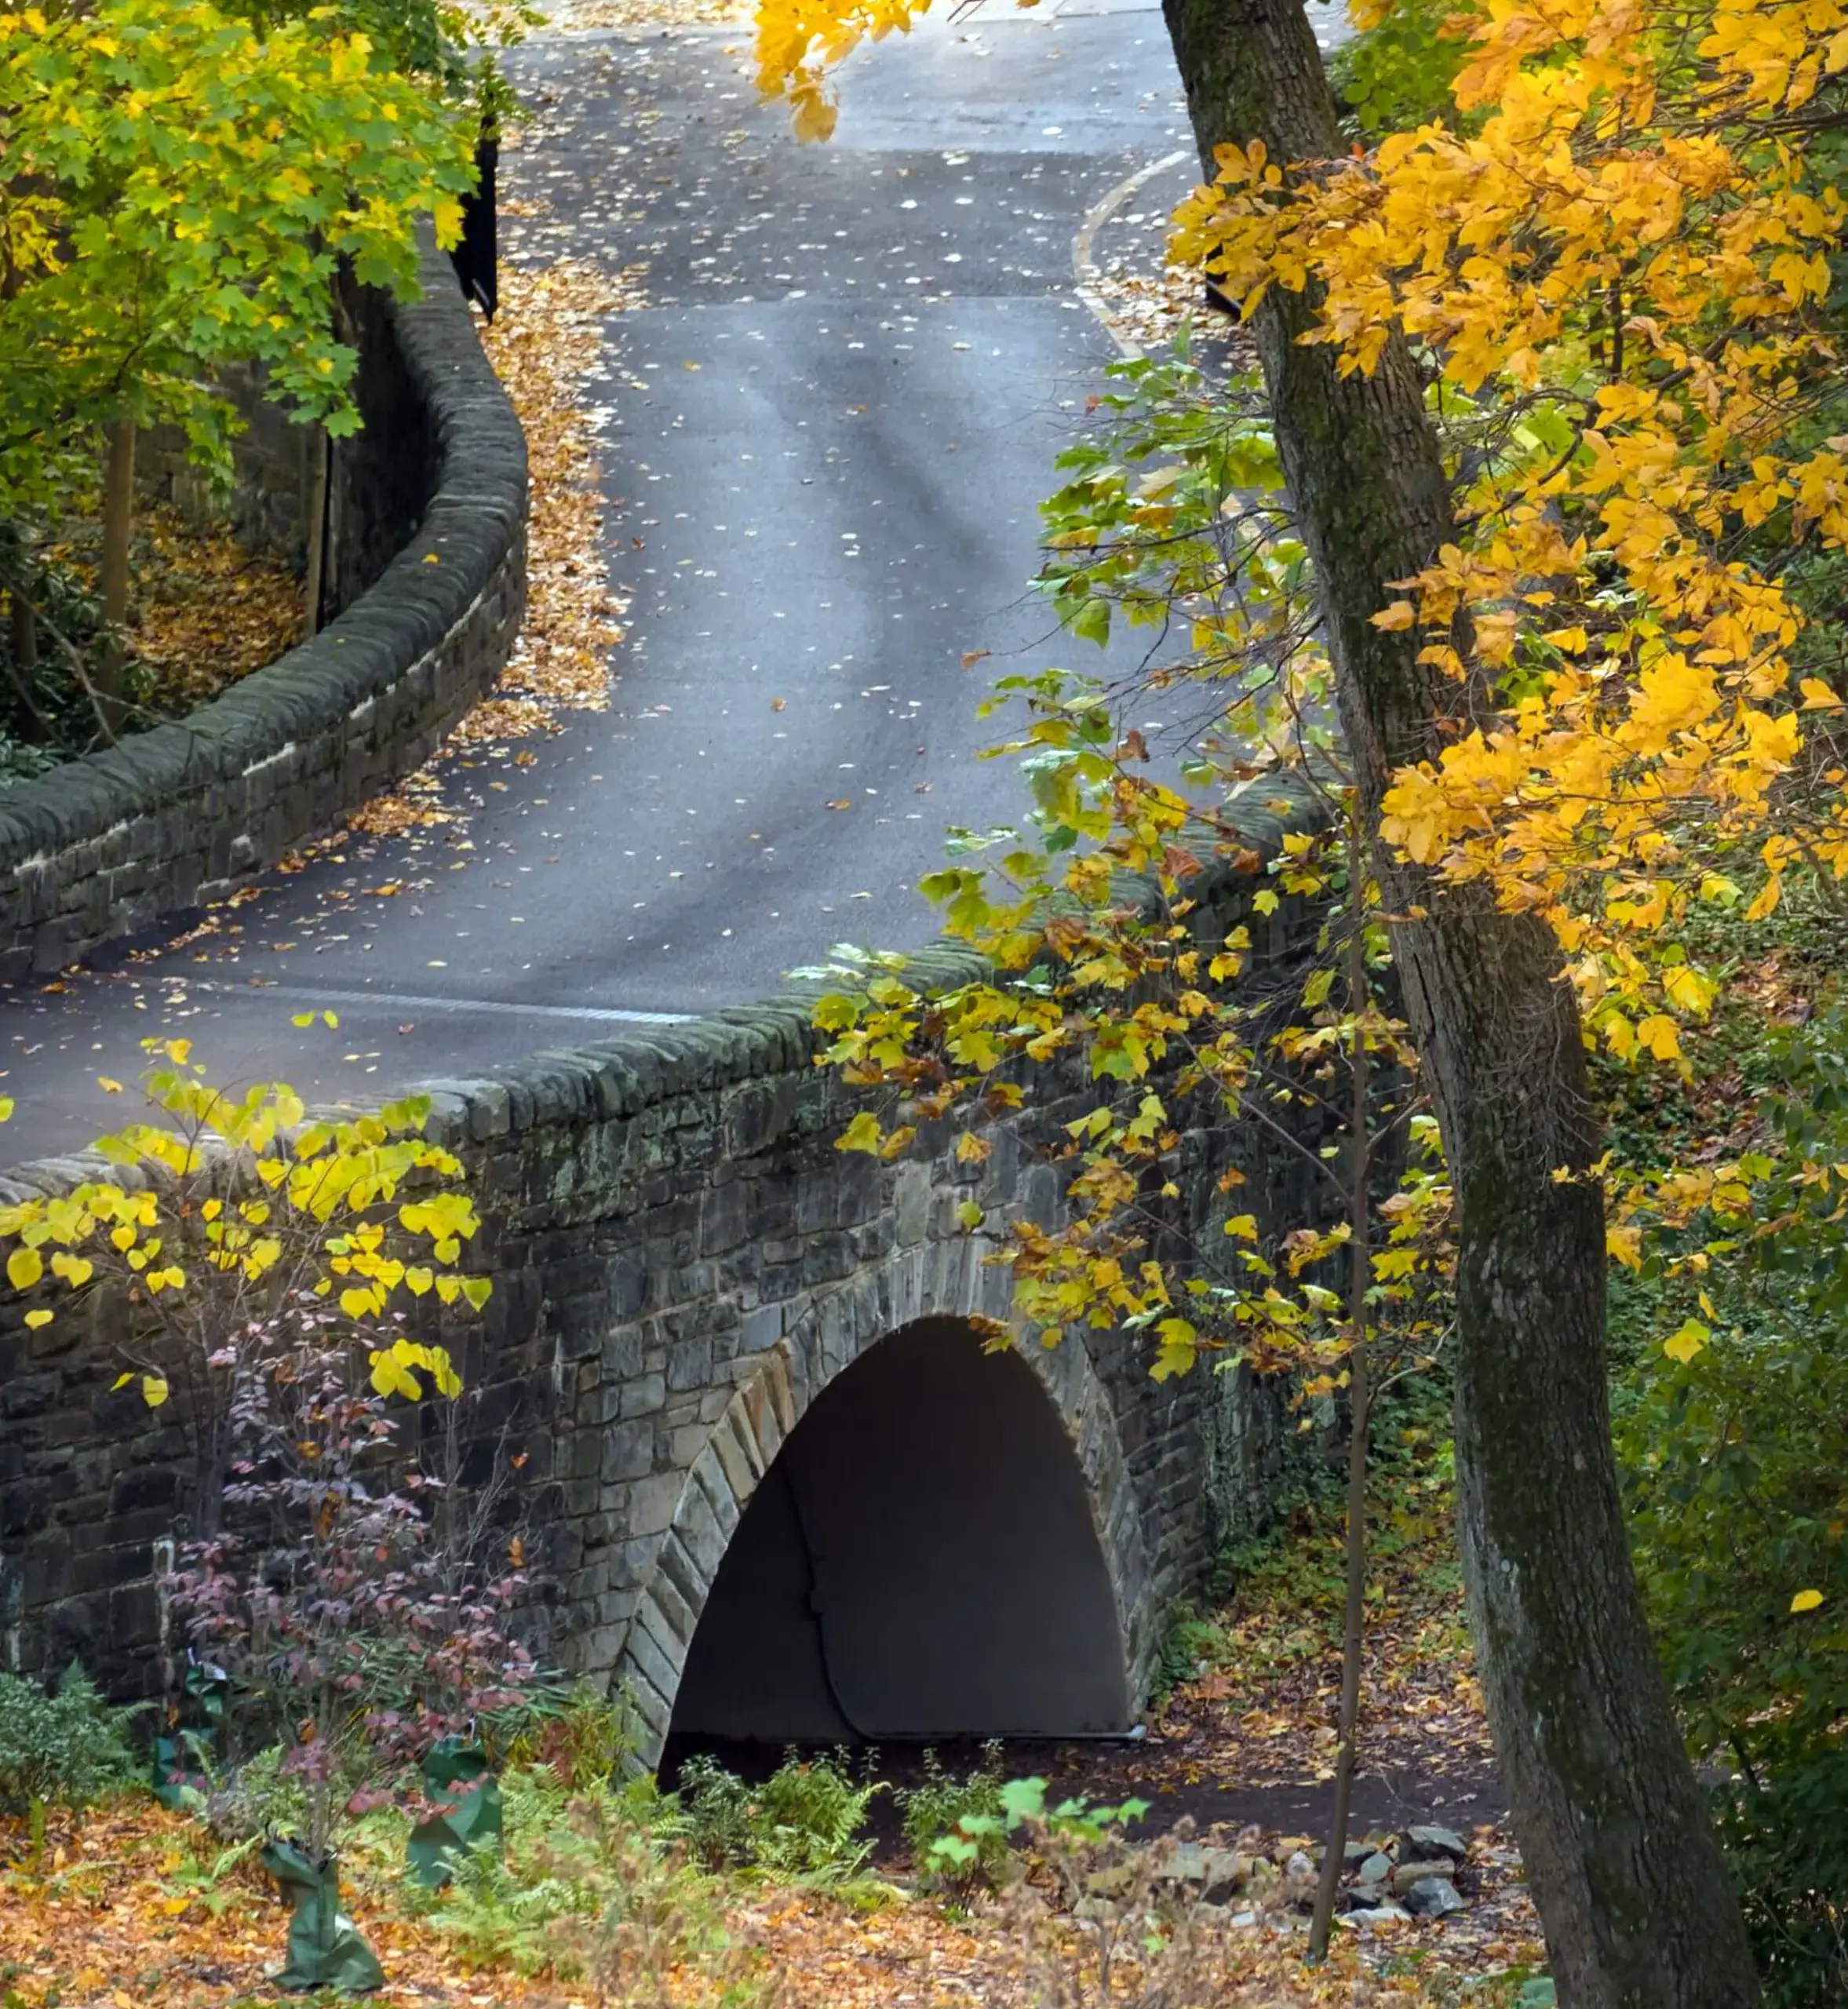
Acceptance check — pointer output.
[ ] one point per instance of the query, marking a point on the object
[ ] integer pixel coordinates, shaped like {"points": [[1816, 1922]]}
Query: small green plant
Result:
{"points": [[712, 1814], [205, 1878], [1023, 1805], [500, 1916], [1190, 1640], [948, 1857], [808, 1818], [963, 1857], [1146, 1936], [529, 1911], [590, 1889], [804, 1821], [62, 1747], [254, 1801]]}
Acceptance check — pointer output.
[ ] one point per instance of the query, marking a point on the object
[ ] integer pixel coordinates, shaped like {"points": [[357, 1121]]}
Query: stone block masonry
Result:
{"points": [[108, 845], [683, 1264]]}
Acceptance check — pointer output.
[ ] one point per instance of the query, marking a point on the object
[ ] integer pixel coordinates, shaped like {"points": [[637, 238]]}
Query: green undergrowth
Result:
{"points": [[1729, 1393], [805, 1821], [953, 1827], [60, 1746]]}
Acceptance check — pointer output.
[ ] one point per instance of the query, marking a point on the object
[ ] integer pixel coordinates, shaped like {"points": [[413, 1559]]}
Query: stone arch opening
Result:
{"points": [[922, 1558]]}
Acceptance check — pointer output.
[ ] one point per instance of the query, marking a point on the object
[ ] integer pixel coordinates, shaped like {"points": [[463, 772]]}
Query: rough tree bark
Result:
{"points": [[1638, 1910]]}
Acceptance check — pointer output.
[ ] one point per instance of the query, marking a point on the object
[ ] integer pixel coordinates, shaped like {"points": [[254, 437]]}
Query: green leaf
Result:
{"points": [[836, 1012], [1092, 623], [1023, 1799]]}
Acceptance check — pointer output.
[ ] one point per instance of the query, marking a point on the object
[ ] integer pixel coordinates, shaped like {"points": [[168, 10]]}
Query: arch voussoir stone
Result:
{"points": [[823, 1338]]}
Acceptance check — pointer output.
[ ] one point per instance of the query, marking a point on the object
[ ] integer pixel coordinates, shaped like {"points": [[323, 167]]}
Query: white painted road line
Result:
{"points": [[398, 1000], [1083, 266]]}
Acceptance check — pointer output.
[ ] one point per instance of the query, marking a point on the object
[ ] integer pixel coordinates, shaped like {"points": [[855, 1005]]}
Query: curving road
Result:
{"points": [[827, 434]]}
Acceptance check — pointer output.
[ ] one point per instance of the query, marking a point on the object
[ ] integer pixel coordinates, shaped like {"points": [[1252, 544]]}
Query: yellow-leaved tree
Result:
{"points": [[1549, 405], [228, 1214]]}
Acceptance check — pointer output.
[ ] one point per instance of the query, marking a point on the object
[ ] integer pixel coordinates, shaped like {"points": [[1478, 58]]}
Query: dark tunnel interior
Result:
{"points": [[919, 1563]]}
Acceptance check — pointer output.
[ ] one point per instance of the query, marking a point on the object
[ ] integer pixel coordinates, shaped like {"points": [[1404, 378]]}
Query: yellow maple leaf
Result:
{"points": [[1689, 1340]]}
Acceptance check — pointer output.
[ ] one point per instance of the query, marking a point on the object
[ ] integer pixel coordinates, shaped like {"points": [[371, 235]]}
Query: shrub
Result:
{"points": [[804, 1821], [1737, 1506], [352, 1635], [713, 1815], [1785, 1842], [63, 1747], [937, 1811], [1396, 76]]}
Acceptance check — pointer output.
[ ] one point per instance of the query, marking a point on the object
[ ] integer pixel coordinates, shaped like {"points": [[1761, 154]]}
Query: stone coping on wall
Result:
{"points": [[110, 845]]}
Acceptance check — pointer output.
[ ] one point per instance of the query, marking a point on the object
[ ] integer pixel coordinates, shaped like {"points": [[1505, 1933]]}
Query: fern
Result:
{"points": [[808, 1818], [804, 1821]]}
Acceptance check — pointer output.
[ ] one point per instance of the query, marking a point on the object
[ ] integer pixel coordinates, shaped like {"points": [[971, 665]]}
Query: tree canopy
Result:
{"points": [[182, 185]]}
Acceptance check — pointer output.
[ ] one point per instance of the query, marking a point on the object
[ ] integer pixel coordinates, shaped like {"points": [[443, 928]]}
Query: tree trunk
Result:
{"points": [[315, 586], [118, 519], [25, 629], [1638, 1910]]}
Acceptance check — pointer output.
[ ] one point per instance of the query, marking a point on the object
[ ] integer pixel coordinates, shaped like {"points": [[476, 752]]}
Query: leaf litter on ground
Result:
{"points": [[115, 1916], [124, 1914]]}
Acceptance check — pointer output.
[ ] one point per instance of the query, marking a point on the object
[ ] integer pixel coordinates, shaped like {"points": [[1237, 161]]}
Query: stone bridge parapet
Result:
{"points": [[689, 1282]]}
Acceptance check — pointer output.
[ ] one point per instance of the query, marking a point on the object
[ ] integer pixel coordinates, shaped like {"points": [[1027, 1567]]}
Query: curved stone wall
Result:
{"points": [[108, 845]]}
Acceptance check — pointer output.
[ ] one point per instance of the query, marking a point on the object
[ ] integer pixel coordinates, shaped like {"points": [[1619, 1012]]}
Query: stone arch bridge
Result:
{"points": [[782, 1489]]}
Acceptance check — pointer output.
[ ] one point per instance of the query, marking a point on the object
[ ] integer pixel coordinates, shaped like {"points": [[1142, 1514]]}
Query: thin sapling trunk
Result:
{"points": [[1359, 1389], [25, 629]]}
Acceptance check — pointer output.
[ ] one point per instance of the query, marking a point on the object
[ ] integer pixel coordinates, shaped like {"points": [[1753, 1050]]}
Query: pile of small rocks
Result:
{"points": [[1413, 1874]]}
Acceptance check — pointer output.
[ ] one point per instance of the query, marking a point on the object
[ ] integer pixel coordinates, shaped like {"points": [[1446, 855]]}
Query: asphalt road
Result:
{"points": [[827, 436]]}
